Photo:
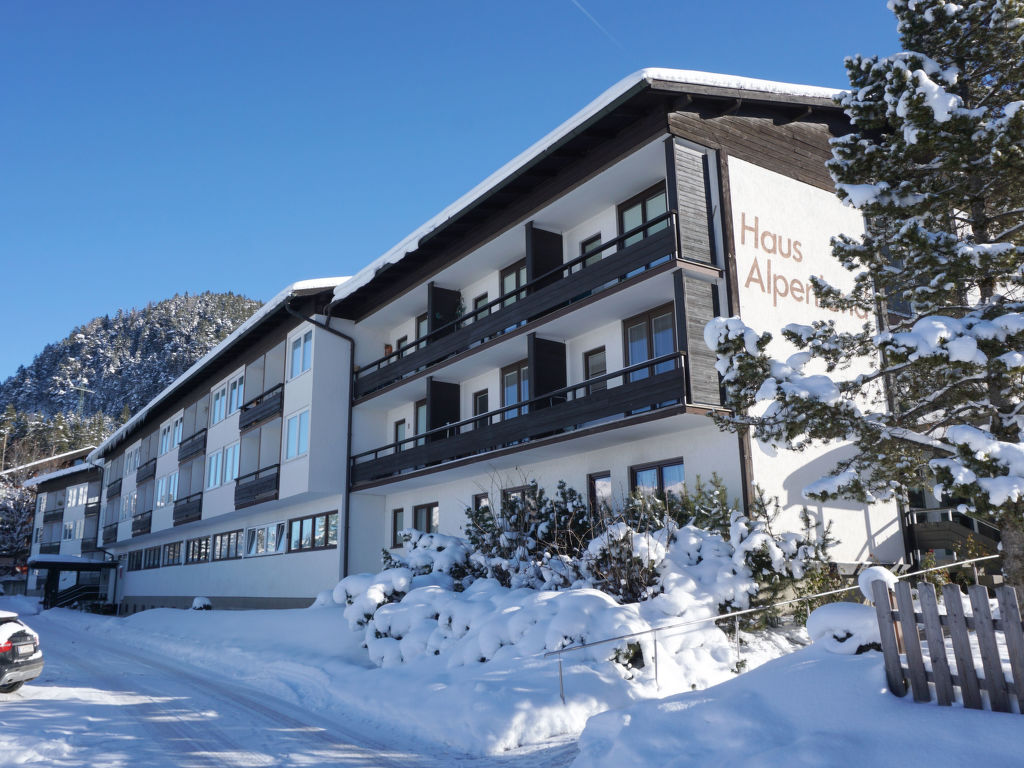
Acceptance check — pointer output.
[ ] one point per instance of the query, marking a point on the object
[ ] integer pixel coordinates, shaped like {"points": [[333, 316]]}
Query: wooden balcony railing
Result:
{"points": [[110, 533], [114, 488], [257, 487], [145, 471], [259, 409], [142, 523], [637, 389], [189, 509], [564, 285], [192, 446]]}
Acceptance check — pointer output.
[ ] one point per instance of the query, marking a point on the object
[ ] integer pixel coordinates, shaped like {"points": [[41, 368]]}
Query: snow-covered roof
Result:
{"points": [[637, 80], [303, 287], [32, 482], [68, 456]]}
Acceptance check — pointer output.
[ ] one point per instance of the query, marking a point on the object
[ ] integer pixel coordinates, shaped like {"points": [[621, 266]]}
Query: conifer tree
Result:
{"points": [[935, 162]]}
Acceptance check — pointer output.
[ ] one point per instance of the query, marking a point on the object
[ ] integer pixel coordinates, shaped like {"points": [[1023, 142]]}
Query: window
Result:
{"points": [[516, 497], [400, 343], [588, 245], [478, 303], [400, 435], [663, 480], [128, 504], [480, 407], [172, 553], [421, 420], [227, 546], [422, 329], [231, 454], [426, 517], [298, 435], [135, 560], [213, 470], [151, 557], [595, 364], [512, 279], [600, 486], [165, 439], [314, 532], [131, 460], [179, 423], [641, 209], [397, 526], [161, 492], [481, 501], [166, 489], [236, 391], [219, 408], [73, 530], [197, 550], [515, 388], [301, 354], [265, 540], [648, 336]]}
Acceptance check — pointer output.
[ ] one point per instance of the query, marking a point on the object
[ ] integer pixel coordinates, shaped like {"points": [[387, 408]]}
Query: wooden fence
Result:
{"points": [[901, 637]]}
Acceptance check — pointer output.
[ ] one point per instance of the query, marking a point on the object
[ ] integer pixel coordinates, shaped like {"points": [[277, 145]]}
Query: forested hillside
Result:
{"points": [[78, 389]]}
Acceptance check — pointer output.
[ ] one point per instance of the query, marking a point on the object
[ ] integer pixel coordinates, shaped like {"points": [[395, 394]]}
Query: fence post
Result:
{"points": [[561, 684], [654, 635]]}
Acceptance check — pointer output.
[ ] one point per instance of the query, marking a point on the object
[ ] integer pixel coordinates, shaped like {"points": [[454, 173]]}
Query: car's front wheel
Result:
{"points": [[11, 688]]}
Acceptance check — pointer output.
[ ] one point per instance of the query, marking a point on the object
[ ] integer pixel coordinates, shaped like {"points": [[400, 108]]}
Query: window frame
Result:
{"points": [[592, 479], [280, 541], [587, 244], [218, 404], [304, 339], [588, 372], [432, 510], [517, 268], [151, 557], [214, 470], [233, 539], [236, 394], [648, 318], [165, 440], [659, 466], [237, 445], [475, 398], [176, 431], [313, 530], [174, 547], [643, 198], [197, 550], [397, 525], [297, 418], [517, 367], [400, 426]]}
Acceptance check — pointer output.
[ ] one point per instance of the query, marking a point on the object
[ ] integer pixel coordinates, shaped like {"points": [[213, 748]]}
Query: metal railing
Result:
{"points": [[653, 631]]}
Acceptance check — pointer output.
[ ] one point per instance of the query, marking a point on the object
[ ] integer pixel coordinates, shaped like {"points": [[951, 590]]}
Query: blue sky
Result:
{"points": [[149, 148]]}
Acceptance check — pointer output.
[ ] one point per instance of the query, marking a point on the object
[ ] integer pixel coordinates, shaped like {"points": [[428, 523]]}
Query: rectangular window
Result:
{"points": [[165, 439], [400, 435], [172, 553], [480, 407], [588, 245], [641, 209], [231, 462], [298, 435], [151, 557], [213, 470], [425, 517], [481, 501], [236, 391], [515, 388], [135, 560], [600, 493], [301, 358], [128, 504], [69, 531], [172, 487], [313, 532], [664, 480], [161, 492], [219, 406], [176, 435], [595, 364], [422, 329], [266, 540], [648, 336], [478, 306], [227, 546], [197, 550], [513, 278], [421, 420], [400, 343], [397, 526]]}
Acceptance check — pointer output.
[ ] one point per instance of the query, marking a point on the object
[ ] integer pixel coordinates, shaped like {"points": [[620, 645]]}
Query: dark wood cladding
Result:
{"points": [[267, 406], [192, 446], [257, 487], [49, 549], [560, 415], [798, 150], [189, 509], [701, 306], [691, 193], [53, 515], [90, 545], [92, 508], [142, 523], [114, 488], [110, 533], [145, 472], [549, 298]]}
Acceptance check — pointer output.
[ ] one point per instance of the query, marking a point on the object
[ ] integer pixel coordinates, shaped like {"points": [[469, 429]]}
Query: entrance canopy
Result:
{"points": [[69, 563]]}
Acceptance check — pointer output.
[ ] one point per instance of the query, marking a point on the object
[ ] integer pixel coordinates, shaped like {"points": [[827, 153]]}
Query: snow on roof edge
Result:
{"points": [[32, 482], [617, 91], [57, 457], [315, 284]]}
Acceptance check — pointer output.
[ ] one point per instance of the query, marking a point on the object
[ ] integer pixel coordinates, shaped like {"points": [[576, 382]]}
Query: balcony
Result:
{"points": [[53, 515], [142, 523], [145, 471], [189, 509], [257, 487], [610, 398], [114, 488], [260, 409], [949, 529], [49, 548], [567, 284], [192, 446], [110, 533], [92, 508]]}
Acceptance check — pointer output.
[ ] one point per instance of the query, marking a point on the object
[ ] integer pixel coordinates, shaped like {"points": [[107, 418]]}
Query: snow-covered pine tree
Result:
{"points": [[17, 515], [935, 163]]}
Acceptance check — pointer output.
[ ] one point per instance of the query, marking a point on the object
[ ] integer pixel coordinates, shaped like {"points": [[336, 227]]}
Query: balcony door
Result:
{"points": [[649, 336], [515, 387], [641, 209]]}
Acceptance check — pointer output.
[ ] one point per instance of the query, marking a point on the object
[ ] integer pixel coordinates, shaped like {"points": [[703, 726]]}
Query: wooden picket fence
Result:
{"points": [[901, 639]]}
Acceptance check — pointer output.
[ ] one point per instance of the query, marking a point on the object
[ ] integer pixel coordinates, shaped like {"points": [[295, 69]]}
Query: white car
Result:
{"points": [[21, 659]]}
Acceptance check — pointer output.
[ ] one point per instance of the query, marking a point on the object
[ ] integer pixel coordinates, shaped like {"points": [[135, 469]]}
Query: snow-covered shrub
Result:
{"points": [[846, 628], [324, 599], [202, 604]]}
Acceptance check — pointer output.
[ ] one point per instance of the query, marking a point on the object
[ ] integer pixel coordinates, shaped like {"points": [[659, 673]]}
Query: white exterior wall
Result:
{"points": [[166, 464], [796, 219]]}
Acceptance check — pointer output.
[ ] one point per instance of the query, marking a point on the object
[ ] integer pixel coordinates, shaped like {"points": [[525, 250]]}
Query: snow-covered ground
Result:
{"points": [[290, 688]]}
